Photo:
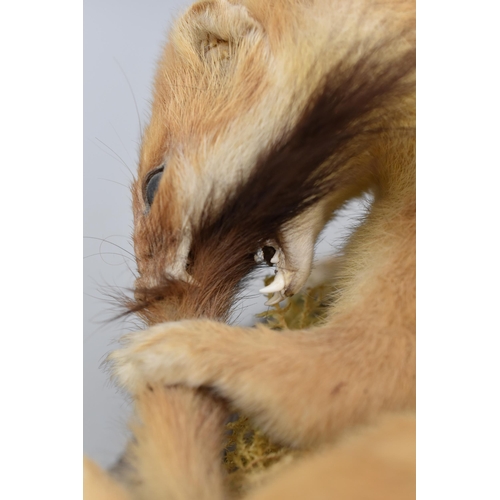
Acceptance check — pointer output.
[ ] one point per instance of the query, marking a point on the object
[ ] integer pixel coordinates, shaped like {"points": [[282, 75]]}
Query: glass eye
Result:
{"points": [[152, 186]]}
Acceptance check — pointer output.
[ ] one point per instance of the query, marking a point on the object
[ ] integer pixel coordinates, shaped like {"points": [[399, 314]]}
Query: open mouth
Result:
{"points": [[273, 255]]}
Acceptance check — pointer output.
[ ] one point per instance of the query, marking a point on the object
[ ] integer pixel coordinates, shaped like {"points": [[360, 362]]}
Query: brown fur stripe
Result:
{"points": [[341, 116]]}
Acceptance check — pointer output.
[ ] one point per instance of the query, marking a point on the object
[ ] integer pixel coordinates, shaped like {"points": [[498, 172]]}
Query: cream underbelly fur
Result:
{"points": [[266, 118]]}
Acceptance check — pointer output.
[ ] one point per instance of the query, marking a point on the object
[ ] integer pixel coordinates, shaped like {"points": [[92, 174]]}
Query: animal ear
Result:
{"points": [[217, 29]]}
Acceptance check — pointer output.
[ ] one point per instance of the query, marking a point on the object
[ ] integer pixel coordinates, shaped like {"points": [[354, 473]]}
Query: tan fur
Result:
{"points": [[236, 77], [177, 438], [175, 453], [376, 463], [97, 485]]}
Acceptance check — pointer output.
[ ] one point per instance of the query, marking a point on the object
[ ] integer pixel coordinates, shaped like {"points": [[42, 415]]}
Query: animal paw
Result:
{"points": [[165, 354]]}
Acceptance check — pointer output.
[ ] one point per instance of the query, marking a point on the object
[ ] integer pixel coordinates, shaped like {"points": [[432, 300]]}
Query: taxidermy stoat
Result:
{"points": [[267, 117]]}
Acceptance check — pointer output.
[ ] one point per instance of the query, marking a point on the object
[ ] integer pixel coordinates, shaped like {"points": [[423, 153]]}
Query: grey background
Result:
{"points": [[122, 41]]}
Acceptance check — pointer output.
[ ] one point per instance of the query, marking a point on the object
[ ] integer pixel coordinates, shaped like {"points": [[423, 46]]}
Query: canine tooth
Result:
{"points": [[275, 299], [276, 286], [275, 258]]}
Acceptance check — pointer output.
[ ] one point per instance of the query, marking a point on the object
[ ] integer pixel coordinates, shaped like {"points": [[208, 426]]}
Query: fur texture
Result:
{"points": [[376, 463], [267, 117]]}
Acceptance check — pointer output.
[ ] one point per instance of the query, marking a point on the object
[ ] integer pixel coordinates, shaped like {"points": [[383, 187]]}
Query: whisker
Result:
{"points": [[122, 143], [130, 270], [105, 240], [111, 156], [92, 296], [114, 182], [117, 156], [133, 96], [109, 253]]}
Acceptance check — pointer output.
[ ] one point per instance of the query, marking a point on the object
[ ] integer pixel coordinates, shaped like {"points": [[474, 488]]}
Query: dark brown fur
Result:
{"points": [[354, 133], [338, 124]]}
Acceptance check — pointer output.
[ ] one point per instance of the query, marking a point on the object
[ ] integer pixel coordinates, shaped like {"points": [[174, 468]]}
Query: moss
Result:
{"points": [[249, 453]]}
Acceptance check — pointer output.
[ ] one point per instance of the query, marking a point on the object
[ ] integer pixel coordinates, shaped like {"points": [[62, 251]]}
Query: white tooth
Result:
{"points": [[259, 256], [276, 286], [275, 258], [275, 299]]}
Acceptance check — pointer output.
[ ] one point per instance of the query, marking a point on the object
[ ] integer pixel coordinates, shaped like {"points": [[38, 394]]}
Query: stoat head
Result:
{"points": [[237, 155]]}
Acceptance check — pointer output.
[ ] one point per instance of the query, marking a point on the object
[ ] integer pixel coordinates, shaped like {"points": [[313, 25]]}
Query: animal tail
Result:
{"points": [[174, 454]]}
